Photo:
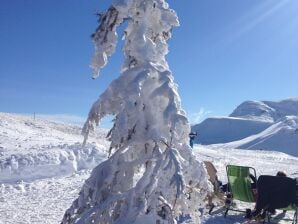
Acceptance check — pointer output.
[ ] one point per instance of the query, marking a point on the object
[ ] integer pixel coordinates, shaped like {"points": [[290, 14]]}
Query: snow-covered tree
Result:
{"points": [[151, 175]]}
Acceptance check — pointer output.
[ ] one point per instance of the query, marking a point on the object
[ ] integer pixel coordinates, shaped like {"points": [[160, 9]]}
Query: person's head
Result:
{"points": [[281, 174], [192, 134]]}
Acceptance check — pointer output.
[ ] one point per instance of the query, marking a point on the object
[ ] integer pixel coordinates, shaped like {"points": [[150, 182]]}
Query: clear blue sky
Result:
{"points": [[224, 52]]}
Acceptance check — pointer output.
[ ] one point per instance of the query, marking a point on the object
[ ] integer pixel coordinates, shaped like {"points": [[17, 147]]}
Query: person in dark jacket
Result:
{"points": [[274, 192], [192, 137]]}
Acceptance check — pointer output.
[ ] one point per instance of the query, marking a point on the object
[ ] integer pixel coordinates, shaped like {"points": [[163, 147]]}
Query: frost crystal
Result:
{"points": [[151, 176]]}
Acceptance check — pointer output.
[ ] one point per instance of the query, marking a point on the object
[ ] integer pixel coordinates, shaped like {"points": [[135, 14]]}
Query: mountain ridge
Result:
{"points": [[261, 125]]}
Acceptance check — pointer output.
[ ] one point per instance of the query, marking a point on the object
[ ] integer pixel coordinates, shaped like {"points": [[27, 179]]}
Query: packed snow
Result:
{"points": [[261, 125], [30, 198]]}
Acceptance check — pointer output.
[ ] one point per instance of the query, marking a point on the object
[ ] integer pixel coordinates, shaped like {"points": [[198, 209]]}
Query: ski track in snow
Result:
{"points": [[44, 198]]}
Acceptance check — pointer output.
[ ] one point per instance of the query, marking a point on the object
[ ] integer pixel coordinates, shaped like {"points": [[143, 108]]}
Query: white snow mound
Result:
{"points": [[33, 149]]}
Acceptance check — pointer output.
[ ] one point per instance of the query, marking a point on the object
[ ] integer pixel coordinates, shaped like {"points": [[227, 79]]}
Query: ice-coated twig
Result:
{"points": [[177, 178], [105, 39]]}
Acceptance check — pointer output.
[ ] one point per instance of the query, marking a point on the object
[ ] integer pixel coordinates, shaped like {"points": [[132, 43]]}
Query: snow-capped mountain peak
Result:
{"points": [[263, 125], [254, 110], [267, 110]]}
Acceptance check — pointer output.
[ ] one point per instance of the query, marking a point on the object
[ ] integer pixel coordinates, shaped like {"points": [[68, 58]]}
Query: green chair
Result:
{"points": [[239, 184]]}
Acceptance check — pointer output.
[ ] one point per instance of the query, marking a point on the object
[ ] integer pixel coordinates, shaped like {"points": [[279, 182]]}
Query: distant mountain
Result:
{"points": [[263, 125], [266, 110], [281, 136], [226, 129]]}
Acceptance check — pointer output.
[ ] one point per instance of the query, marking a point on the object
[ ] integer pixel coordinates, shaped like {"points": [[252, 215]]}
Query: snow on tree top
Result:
{"points": [[152, 175]]}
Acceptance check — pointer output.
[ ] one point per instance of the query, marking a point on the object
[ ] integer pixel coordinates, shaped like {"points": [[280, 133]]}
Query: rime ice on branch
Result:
{"points": [[151, 176]]}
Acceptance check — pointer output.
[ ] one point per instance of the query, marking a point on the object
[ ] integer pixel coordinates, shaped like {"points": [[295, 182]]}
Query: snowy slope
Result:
{"points": [[263, 125], [226, 129], [281, 136], [32, 149], [44, 191], [267, 110], [45, 200]]}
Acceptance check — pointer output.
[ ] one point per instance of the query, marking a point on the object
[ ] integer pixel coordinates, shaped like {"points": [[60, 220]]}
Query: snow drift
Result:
{"points": [[33, 149], [55, 161]]}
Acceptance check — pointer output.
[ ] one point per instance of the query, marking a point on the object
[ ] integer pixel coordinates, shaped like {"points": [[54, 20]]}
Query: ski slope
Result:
{"points": [[41, 177]]}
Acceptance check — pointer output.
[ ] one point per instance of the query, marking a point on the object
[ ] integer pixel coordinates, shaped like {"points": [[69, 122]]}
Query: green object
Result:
{"points": [[240, 182]]}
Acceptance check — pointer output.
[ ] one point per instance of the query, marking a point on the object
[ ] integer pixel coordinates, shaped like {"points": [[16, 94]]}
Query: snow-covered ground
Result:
{"points": [[265, 163], [43, 166], [34, 149]]}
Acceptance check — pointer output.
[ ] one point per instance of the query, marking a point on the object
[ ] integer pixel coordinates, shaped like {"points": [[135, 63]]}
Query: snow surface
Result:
{"points": [[43, 199], [227, 129], [33, 149], [267, 110], [281, 136], [262, 125]]}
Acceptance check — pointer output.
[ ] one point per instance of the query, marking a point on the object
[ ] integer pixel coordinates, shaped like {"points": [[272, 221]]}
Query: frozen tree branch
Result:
{"points": [[105, 38]]}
